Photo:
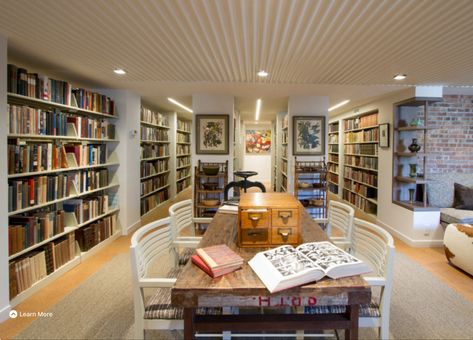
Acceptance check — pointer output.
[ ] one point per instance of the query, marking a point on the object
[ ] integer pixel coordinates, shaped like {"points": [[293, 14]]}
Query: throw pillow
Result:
{"points": [[462, 197]]}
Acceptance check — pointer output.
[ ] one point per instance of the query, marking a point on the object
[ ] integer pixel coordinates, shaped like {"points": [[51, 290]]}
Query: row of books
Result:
{"points": [[29, 229], [332, 177], [333, 127], [85, 209], [33, 121], [361, 176], [34, 85], [151, 168], [153, 117], [361, 122], [181, 185], [333, 158], [361, 189], [217, 260], [183, 161], [94, 233], [333, 139], [183, 125], [365, 149], [371, 135], [332, 167], [361, 161], [284, 151], [183, 149], [152, 134], [91, 179], [183, 137], [154, 150], [152, 201], [152, 184], [360, 202], [48, 156], [333, 148], [26, 271], [181, 173]]}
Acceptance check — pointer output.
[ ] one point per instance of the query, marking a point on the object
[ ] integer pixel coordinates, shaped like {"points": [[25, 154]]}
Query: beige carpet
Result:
{"points": [[102, 308]]}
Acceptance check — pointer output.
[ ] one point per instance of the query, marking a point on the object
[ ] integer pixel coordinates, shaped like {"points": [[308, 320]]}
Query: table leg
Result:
{"points": [[189, 323], [353, 313]]}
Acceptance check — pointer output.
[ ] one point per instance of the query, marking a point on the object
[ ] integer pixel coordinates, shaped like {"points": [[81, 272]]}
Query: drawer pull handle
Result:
{"points": [[254, 218], [285, 215], [285, 233], [255, 233]]}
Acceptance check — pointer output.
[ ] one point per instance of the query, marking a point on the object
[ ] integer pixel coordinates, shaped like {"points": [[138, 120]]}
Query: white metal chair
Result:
{"points": [[375, 245], [339, 216], [181, 214]]}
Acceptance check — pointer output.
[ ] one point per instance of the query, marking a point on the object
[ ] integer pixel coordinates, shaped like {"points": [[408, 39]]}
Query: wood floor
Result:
{"points": [[432, 259]]}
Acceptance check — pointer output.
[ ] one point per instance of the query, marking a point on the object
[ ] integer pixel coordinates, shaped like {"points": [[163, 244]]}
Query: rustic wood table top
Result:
{"points": [[194, 288]]}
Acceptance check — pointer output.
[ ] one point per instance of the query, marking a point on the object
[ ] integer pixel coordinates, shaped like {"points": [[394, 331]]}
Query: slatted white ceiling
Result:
{"points": [[217, 42]]}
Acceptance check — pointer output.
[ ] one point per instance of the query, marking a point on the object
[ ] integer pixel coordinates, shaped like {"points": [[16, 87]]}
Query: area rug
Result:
{"points": [[422, 307]]}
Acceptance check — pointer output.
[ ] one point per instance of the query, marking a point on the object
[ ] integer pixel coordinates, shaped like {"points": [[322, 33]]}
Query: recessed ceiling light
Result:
{"points": [[399, 77], [180, 105], [262, 73], [336, 106], [119, 71], [258, 109]]}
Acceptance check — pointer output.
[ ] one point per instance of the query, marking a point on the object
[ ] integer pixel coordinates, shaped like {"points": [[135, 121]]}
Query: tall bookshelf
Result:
{"points": [[62, 181], [284, 153], [183, 155], [333, 164], [154, 167], [360, 183]]}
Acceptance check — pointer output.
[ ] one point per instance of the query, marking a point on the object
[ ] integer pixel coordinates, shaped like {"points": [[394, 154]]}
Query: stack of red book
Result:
{"points": [[217, 260]]}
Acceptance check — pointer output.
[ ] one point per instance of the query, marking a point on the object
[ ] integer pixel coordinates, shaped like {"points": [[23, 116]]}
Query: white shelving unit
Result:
{"points": [[183, 154]]}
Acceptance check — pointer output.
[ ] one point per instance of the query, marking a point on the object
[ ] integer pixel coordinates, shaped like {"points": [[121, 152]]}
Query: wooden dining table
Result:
{"points": [[242, 288]]}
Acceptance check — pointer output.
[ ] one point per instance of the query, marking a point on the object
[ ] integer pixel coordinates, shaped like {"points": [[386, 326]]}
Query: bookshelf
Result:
{"points": [[183, 154], [62, 180], [333, 164], [360, 174], [155, 159], [284, 153]]}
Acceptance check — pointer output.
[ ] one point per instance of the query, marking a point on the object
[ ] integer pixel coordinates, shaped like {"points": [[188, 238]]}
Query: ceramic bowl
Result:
{"points": [[211, 170], [304, 185], [210, 203]]}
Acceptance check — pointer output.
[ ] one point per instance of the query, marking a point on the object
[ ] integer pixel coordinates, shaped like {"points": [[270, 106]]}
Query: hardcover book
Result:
{"points": [[202, 265], [219, 256], [285, 267]]}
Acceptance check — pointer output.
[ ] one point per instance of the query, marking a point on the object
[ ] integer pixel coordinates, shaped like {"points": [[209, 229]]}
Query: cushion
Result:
{"points": [[185, 255], [367, 310], [452, 215], [440, 188], [462, 197]]}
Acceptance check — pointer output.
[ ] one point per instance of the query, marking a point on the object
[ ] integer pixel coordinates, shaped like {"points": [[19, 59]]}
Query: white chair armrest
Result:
{"points": [[375, 280], [156, 283]]}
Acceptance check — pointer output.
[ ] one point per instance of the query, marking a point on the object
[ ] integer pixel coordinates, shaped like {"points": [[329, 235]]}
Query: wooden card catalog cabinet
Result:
{"points": [[268, 219]]}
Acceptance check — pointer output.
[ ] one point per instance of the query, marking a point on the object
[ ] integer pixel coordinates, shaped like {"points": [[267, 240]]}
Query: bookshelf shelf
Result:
{"points": [[50, 137], [142, 122], [150, 159], [154, 175], [45, 172], [183, 154], [155, 191]]}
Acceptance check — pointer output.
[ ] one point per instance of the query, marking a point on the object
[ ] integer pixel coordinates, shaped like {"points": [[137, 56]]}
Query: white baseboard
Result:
{"points": [[133, 227], [5, 313], [409, 241]]}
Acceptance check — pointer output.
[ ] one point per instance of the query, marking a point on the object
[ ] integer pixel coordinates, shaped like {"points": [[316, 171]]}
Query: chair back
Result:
{"points": [[148, 243], [340, 216], [181, 216]]}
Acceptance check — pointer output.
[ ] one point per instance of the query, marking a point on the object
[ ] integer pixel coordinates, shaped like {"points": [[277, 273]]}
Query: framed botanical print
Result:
{"points": [[383, 135], [308, 135], [212, 134]]}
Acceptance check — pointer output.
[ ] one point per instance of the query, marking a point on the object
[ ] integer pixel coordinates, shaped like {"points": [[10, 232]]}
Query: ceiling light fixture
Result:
{"points": [[119, 71], [258, 109], [180, 105], [336, 106], [262, 73], [399, 77]]}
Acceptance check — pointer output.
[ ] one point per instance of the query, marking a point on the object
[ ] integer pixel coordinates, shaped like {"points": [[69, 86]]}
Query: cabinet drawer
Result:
{"points": [[284, 235], [254, 236], [255, 218], [284, 217]]}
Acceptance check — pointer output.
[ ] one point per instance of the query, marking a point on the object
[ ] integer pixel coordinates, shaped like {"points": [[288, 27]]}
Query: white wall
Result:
{"points": [[260, 163], [4, 283], [416, 229]]}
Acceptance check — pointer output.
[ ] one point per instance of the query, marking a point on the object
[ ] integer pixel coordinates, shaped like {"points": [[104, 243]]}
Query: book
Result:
{"points": [[219, 256], [202, 265], [285, 267], [228, 209]]}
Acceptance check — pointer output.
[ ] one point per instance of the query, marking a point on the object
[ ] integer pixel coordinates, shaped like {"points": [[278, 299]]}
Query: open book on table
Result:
{"points": [[285, 267]]}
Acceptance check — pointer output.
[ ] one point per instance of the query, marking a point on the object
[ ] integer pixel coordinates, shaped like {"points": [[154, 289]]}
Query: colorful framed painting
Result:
{"points": [[212, 134], [308, 135], [258, 142]]}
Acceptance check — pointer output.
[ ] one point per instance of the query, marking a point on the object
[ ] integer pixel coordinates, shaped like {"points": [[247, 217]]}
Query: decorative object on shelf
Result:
{"points": [[212, 134], [211, 203], [211, 170], [413, 170], [414, 147], [308, 135], [310, 186], [415, 122], [384, 135], [412, 195], [258, 142]]}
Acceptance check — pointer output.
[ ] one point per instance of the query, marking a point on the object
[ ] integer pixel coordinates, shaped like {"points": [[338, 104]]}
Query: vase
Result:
{"points": [[415, 122], [412, 170], [414, 147], [411, 195]]}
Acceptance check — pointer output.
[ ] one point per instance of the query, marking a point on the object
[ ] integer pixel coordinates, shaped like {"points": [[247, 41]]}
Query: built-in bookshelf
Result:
{"points": [[62, 181], [360, 174], [284, 153], [183, 155], [333, 164], [155, 156]]}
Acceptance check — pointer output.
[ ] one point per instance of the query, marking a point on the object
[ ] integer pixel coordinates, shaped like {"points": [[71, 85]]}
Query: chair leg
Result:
{"points": [[139, 331]]}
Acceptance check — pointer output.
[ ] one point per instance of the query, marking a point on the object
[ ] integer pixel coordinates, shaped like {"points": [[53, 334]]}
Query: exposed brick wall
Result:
{"points": [[450, 143]]}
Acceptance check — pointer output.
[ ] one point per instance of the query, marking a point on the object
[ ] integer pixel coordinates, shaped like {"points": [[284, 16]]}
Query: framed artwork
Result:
{"points": [[383, 135], [258, 142], [308, 135], [211, 134]]}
